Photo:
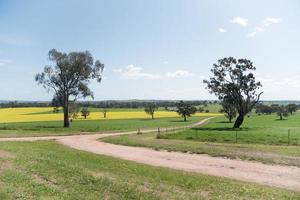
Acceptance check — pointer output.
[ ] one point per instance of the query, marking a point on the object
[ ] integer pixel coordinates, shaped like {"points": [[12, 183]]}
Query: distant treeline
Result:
{"points": [[109, 103]]}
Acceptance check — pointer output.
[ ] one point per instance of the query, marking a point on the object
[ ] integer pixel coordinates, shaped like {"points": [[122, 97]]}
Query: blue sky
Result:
{"points": [[154, 49]]}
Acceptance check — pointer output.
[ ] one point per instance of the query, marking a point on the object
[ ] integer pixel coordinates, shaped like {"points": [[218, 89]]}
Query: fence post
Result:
{"points": [[158, 133], [289, 137]]}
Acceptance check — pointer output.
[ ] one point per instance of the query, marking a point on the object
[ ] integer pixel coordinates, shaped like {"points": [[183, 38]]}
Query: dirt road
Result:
{"points": [[273, 175]]}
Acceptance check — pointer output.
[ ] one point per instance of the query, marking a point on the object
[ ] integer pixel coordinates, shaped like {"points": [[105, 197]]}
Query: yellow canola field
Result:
{"points": [[34, 114]]}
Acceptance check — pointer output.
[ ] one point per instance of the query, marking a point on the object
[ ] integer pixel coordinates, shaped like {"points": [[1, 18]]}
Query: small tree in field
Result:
{"points": [[85, 112], [291, 108], [229, 110], [282, 112], [150, 109], [104, 112], [70, 76], [185, 109], [201, 109], [232, 79]]}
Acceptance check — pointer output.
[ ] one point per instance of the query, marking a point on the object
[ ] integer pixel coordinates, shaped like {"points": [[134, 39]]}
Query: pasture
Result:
{"points": [[262, 138], [47, 170]]}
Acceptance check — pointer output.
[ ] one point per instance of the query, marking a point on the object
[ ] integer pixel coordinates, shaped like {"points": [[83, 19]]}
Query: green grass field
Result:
{"points": [[264, 129], [47, 170], [262, 138], [55, 127]]}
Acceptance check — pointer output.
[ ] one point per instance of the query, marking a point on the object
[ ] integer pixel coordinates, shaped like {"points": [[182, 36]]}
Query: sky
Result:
{"points": [[152, 49]]}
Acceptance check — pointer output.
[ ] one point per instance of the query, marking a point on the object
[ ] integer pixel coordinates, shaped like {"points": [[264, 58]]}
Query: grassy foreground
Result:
{"points": [[55, 128], [47, 170]]}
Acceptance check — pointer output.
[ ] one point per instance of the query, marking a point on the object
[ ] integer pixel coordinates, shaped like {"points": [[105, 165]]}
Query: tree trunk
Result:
{"points": [[239, 120], [66, 111], [104, 115], [152, 115], [184, 118], [280, 116], [230, 119]]}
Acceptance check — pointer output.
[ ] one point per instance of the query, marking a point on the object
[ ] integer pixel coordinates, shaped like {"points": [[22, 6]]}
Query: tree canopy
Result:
{"points": [[185, 109], [150, 109], [69, 76], [233, 80]]}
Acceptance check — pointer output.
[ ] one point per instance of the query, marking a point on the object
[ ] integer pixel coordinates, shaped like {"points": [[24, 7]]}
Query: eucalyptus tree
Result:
{"points": [[185, 109], [233, 80], [150, 109], [69, 77]]}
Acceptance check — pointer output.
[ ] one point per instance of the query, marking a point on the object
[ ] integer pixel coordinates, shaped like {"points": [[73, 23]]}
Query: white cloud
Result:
{"points": [[252, 34], [178, 74], [4, 62], [273, 20], [222, 30], [259, 29], [240, 21], [134, 73]]}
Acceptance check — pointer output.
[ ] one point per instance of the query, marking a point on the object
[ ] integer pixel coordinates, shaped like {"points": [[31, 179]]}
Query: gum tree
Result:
{"points": [[185, 109], [69, 76], [150, 109], [234, 81]]}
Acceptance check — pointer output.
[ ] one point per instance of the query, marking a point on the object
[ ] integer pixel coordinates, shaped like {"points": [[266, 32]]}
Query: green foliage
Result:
{"points": [[281, 111], [185, 109], [232, 80], [69, 77], [291, 108], [85, 112], [150, 109], [229, 109]]}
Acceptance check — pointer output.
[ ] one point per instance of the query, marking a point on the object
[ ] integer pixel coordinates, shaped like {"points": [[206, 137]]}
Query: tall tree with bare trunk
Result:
{"points": [[69, 76]]}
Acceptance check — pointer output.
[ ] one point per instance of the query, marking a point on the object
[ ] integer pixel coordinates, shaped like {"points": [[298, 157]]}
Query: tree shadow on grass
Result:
{"points": [[219, 129], [224, 122]]}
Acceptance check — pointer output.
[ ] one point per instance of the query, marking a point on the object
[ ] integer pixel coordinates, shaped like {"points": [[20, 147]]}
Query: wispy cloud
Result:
{"points": [[265, 24], [222, 30], [240, 21], [4, 62], [252, 34], [134, 73], [273, 20], [178, 74]]}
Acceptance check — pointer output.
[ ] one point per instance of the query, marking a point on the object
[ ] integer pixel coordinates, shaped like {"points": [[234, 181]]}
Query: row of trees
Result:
{"points": [[232, 82], [184, 109], [281, 110]]}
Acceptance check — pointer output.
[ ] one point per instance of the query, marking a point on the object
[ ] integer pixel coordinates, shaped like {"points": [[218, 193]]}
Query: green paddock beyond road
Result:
{"points": [[256, 129]]}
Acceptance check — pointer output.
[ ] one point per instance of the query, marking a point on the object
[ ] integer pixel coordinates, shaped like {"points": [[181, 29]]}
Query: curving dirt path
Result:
{"points": [[272, 175]]}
